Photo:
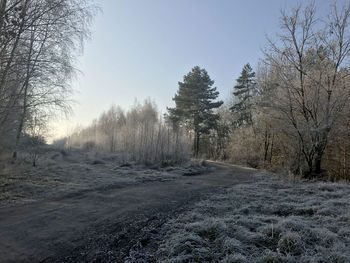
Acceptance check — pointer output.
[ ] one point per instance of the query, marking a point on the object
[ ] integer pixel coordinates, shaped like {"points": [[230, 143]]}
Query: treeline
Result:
{"points": [[294, 113], [291, 115], [139, 134], [38, 44]]}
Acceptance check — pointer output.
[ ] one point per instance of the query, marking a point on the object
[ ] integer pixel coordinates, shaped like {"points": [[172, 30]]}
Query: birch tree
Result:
{"points": [[40, 40]]}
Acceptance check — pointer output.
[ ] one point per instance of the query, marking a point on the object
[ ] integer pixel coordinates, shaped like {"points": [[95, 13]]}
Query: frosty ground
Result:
{"points": [[266, 220], [88, 207], [62, 172]]}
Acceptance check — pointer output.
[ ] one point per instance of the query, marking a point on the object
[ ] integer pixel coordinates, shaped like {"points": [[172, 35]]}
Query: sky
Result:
{"points": [[141, 49]]}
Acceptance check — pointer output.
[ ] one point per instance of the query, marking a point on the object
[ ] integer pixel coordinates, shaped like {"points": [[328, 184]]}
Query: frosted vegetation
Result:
{"points": [[60, 173], [139, 134], [269, 221]]}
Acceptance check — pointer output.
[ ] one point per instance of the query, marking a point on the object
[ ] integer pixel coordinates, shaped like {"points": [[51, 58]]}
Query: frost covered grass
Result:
{"points": [[269, 220], [64, 172]]}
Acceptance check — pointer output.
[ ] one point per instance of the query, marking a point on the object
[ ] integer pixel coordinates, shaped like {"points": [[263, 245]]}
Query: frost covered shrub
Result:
{"points": [[290, 244], [231, 245], [271, 235], [185, 247], [210, 228]]}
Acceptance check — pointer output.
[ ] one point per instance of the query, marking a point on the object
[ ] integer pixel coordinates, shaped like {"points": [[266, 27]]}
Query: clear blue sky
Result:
{"points": [[142, 48]]}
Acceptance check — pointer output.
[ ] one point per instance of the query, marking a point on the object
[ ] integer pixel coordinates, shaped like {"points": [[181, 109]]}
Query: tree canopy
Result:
{"points": [[243, 92], [195, 103]]}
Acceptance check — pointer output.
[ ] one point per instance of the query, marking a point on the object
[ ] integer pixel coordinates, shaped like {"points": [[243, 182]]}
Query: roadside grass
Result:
{"points": [[270, 220]]}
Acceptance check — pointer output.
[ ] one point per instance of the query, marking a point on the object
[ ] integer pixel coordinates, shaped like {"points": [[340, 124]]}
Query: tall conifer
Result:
{"points": [[195, 101], [244, 90]]}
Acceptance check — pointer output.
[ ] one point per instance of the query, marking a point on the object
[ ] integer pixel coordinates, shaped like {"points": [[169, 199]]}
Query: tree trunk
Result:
{"points": [[21, 124], [271, 148], [25, 102], [318, 162], [194, 144], [319, 154], [2, 13], [11, 58], [344, 163], [310, 166], [266, 145], [197, 144]]}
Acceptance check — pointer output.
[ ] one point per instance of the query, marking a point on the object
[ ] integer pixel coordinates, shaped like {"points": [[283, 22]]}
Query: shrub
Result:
{"points": [[290, 244]]}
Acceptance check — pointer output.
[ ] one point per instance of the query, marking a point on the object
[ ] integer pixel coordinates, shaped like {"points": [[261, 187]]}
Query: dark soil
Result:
{"points": [[113, 224]]}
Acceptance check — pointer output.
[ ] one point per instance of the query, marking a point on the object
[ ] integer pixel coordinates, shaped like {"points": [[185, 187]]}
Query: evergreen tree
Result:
{"points": [[244, 90], [195, 101]]}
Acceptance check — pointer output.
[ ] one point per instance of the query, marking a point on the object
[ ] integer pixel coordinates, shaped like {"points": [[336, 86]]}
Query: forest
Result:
{"points": [[289, 115]]}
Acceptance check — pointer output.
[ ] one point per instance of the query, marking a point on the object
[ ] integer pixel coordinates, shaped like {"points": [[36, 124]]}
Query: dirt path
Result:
{"points": [[102, 225]]}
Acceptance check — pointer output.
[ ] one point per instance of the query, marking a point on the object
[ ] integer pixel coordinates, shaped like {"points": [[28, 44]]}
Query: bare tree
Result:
{"points": [[40, 40], [309, 62]]}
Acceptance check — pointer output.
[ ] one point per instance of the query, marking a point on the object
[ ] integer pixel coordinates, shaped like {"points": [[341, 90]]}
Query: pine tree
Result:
{"points": [[195, 101], [244, 90]]}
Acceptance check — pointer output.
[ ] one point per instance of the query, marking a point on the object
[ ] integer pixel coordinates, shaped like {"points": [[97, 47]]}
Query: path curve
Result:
{"points": [[103, 223]]}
